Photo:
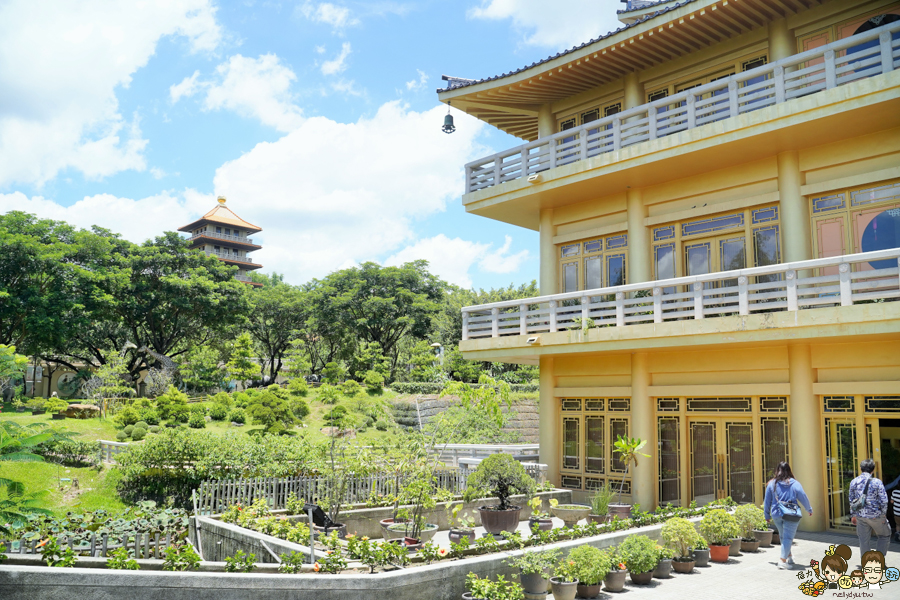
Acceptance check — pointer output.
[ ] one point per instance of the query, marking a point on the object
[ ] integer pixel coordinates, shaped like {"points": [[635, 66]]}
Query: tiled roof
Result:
{"points": [[637, 8], [454, 83], [224, 215]]}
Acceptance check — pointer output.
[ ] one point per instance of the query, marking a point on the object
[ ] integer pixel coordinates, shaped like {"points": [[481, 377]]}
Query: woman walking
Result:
{"points": [[783, 493]]}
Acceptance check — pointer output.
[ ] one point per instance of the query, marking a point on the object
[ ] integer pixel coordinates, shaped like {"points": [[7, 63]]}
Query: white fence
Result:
{"points": [[799, 75], [449, 454], [838, 281], [140, 544], [109, 450]]}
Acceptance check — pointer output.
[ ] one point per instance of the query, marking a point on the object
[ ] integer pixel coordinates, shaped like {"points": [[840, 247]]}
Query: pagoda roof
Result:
{"points": [[221, 215]]}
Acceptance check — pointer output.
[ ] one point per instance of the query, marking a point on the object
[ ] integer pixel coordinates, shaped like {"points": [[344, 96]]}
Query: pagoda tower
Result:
{"points": [[223, 234]]}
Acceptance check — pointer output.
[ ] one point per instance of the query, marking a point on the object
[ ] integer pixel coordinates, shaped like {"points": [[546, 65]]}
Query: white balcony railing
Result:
{"points": [[242, 278], [226, 256], [222, 236], [837, 281], [799, 75]]}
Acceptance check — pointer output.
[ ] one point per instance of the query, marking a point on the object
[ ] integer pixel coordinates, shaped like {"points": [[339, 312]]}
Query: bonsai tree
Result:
{"points": [[501, 476], [749, 517], [680, 535], [56, 404], [719, 527], [591, 564], [639, 553], [627, 449]]}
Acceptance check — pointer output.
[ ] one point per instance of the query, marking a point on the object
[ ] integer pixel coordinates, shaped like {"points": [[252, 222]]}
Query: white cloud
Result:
{"points": [[157, 173], [558, 24], [417, 84], [346, 87], [338, 64], [320, 49], [252, 87], [187, 88], [453, 259], [59, 70], [338, 17]]}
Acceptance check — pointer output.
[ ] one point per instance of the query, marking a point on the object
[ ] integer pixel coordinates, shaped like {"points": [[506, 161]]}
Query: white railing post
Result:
{"points": [[617, 134], [465, 324], [791, 277], [652, 114], [523, 319], [552, 305], [887, 51], [830, 70], [743, 296], [620, 309], [691, 110], [698, 300], [468, 185], [733, 110], [657, 305], [582, 144], [846, 290], [498, 163], [495, 322], [779, 84], [585, 311], [524, 159], [551, 152]]}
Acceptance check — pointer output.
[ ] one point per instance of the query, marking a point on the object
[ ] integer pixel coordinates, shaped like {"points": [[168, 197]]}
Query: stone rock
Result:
{"points": [[82, 411]]}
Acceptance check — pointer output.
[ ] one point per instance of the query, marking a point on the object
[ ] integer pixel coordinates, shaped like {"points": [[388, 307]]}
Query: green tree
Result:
{"points": [[240, 365], [172, 405], [12, 366], [296, 360], [272, 409], [200, 368], [277, 311], [17, 443], [334, 373]]}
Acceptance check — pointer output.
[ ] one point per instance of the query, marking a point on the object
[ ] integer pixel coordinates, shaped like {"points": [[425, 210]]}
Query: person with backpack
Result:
{"points": [[868, 507], [783, 493]]}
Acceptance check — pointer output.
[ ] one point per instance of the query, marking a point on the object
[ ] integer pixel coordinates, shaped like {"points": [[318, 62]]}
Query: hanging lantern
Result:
{"points": [[448, 127]]}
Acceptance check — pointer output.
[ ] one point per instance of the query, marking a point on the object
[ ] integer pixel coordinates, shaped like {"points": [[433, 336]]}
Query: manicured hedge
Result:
{"points": [[416, 387]]}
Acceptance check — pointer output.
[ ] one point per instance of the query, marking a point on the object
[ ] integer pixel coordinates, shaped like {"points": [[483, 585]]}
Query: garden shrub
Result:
{"points": [[350, 388], [298, 387], [218, 412], [74, 453], [374, 382], [416, 387], [224, 399], [197, 409], [197, 421], [329, 394], [237, 415], [121, 436], [369, 421], [138, 434], [128, 430], [381, 425], [55, 405], [333, 373], [142, 425], [300, 408], [272, 410], [172, 405], [154, 429], [149, 416], [241, 399], [127, 416]]}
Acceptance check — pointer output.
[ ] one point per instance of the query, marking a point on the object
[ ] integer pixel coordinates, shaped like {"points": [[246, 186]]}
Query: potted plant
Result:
{"points": [[19, 405], [564, 582], [719, 528], [501, 476], [664, 558], [615, 579], [681, 537], [462, 523], [569, 513], [600, 503], [534, 569], [57, 407], [36, 405], [540, 518], [591, 567], [640, 556], [776, 538], [749, 518], [701, 552], [628, 451], [484, 589]]}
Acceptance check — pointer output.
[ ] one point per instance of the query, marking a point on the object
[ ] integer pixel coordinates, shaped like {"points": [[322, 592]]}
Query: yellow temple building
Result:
{"points": [[223, 234], [717, 189]]}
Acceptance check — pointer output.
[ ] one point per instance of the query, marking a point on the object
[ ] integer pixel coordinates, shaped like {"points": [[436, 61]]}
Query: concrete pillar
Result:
{"points": [[549, 262], [642, 485], [549, 431], [782, 42], [807, 461], [638, 267], [795, 227], [634, 91], [546, 121]]}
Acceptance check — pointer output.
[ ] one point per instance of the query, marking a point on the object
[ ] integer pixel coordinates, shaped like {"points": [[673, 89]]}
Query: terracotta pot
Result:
{"points": [[719, 553], [563, 590], [457, 534], [751, 546], [619, 511], [497, 521], [588, 591], [663, 570], [615, 580], [571, 513], [764, 536], [533, 583], [735, 549], [702, 557], [683, 566], [543, 524], [641, 578], [600, 518]]}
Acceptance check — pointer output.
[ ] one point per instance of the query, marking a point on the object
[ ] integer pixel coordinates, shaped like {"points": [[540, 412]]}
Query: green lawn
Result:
{"points": [[95, 489]]}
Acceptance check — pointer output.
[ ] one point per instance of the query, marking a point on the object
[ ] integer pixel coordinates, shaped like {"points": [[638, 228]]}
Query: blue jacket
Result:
{"points": [[876, 498], [787, 491]]}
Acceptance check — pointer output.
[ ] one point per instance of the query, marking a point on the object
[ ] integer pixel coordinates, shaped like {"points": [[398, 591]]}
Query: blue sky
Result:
{"points": [[317, 120]]}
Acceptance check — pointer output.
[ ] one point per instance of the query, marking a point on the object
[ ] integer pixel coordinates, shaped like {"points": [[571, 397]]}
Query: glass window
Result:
{"points": [[227, 231], [570, 250], [218, 230], [593, 272], [571, 425], [669, 464], [615, 270], [617, 427], [697, 259], [619, 241], [593, 246], [594, 445], [774, 444], [570, 277], [665, 264], [663, 233], [764, 215], [766, 251], [713, 224], [826, 203]]}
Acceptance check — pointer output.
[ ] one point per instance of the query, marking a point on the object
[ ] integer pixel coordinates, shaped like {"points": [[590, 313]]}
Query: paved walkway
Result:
{"points": [[756, 576]]}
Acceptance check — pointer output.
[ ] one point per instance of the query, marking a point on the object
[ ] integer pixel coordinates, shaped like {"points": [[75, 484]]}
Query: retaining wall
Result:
{"points": [[524, 415]]}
